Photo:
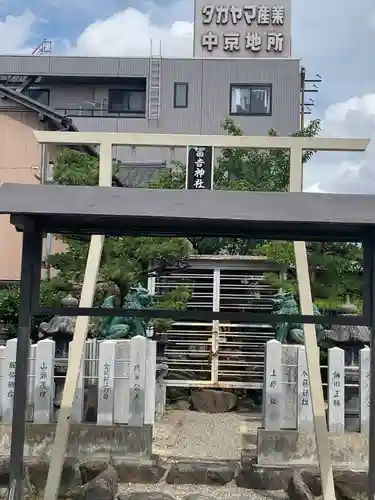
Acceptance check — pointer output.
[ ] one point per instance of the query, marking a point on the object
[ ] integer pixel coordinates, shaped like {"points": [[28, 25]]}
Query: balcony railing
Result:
{"points": [[99, 113]]}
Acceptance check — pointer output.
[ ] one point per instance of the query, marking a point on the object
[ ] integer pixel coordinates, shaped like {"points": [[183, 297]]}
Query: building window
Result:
{"points": [[40, 95], [254, 100], [130, 101], [180, 97]]}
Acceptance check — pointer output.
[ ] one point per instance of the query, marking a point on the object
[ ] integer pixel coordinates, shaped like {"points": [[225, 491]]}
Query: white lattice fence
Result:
{"points": [[122, 372], [286, 397]]}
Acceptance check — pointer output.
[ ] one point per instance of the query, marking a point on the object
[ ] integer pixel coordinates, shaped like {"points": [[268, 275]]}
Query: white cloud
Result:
{"points": [[129, 33], [15, 32], [315, 188], [353, 173]]}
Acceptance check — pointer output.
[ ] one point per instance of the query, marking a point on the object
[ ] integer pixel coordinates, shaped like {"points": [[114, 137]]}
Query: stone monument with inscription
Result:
{"points": [[353, 340]]}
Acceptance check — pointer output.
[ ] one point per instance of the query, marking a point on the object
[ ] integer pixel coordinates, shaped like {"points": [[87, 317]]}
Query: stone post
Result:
{"points": [[304, 411], [106, 381], [150, 382], [336, 390], [364, 388], [77, 411], [8, 380], [91, 362], [272, 400], [3, 372], [44, 381], [122, 382], [31, 384], [289, 360], [160, 390], [137, 380]]}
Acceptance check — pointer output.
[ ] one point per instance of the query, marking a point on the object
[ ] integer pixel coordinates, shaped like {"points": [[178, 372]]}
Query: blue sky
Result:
{"points": [[333, 37]]}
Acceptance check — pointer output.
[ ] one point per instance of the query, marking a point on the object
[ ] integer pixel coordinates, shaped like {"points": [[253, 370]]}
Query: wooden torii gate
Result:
{"points": [[296, 146]]}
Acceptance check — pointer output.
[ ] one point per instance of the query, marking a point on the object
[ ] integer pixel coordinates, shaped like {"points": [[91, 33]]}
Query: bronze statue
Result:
{"points": [[124, 327], [292, 333]]}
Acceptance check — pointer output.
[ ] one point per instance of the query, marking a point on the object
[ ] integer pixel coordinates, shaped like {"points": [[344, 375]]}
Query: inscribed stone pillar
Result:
{"points": [[364, 388], [91, 361], [272, 400], [304, 413], [137, 380], [289, 359], [44, 381], [3, 371], [9, 379], [122, 382], [31, 384], [336, 390], [106, 381]]}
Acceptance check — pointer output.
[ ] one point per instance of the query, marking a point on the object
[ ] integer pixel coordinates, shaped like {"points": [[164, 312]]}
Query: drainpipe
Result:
{"points": [[43, 181]]}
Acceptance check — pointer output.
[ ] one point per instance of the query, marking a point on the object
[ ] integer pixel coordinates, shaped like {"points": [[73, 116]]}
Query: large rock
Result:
{"points": [[255, 478], [146, 473], [312, 479], [102, 487], [211, 401], [349, 485], [298, 489], [36, 472], [200, 473], [175, 393]]}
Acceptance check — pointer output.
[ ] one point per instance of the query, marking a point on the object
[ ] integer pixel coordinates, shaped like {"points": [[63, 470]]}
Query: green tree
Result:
{"points": [[335, 268], [125, 260], [241, 170], [10, 302]]}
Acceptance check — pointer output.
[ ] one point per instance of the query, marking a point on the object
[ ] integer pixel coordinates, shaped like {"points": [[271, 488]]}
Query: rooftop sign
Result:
{"points": [[238, 30]]}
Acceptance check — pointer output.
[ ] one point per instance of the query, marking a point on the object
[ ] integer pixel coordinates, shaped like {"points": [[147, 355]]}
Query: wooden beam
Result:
{"points": [[78, 343], [217, 141], [311, 344]]}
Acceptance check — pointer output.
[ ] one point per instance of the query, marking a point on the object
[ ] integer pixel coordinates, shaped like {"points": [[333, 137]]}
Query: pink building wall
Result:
{"points": [[20, 158]]}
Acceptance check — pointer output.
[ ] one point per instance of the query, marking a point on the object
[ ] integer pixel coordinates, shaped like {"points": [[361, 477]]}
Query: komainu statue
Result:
{"points": [[292, 333], [123, 327], [60, 328]]}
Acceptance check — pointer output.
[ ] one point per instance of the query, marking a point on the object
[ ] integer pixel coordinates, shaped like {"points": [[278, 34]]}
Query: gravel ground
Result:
{"points": [[226, 492], [215, 436], [202, 436]]}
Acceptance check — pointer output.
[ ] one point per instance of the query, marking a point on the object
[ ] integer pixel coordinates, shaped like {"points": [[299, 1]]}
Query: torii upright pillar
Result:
{"points": [[78, 342], [311, 344]]}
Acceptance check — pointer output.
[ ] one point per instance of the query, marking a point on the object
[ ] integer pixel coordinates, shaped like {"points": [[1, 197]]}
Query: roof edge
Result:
{"points": [[62, 122]]}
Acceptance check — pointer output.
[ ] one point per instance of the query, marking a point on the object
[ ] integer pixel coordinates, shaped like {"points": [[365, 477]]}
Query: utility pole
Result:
{"points": [[307, 86]]}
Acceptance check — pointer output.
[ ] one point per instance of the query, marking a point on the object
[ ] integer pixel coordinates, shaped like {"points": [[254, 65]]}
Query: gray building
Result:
{"points": [[158, 95]]}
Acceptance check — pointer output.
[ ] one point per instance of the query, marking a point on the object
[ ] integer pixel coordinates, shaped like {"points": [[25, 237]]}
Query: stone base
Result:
{"points": [[86, 441], [161, 473], [298, 449]]}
